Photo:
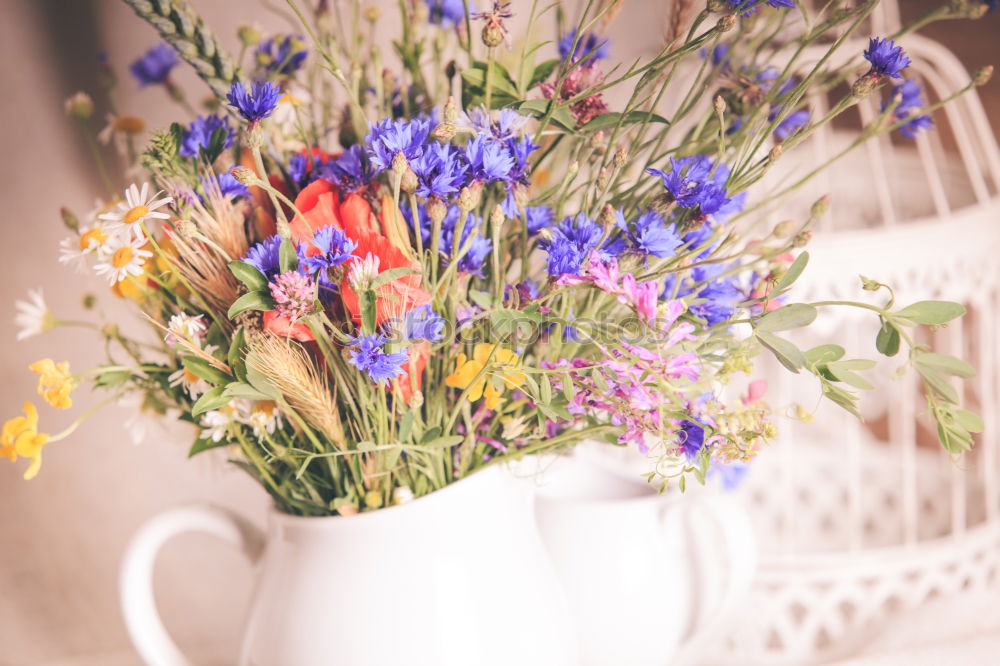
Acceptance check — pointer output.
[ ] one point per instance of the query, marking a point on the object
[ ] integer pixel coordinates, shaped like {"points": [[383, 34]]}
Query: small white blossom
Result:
{"points": [[33, 316], [186, 327], [122, 257], [128, 216], [362, 272]]}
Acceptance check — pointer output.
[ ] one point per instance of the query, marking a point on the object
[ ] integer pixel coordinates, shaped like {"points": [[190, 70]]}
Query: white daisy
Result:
{"points": [[215, 424], [34, 317], [122, 257], [285, 118], [138, 207], [145, 422], [190, 382], [263, 417], [185, 327], [74, 250]]}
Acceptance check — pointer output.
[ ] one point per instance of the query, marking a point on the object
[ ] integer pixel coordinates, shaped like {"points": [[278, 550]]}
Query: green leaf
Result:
{"points": [[213, 399], [793, 272], [406, 426], [482, 299], [113, 379], [609, 120], [568, 388], [241, 390], [205, 445], [887, 340], [288, 260], [234, 357], [841, 397], [948, 365], [539, 107], [968, 420], [254, 300], [938, 383], [431, 434], [385, 277], [931, 312], [824, 354], [844, 371], [542, 72], [206, 370], [787, 354], [546, 390], [445, 442], [248, 275], [793, 315], [262, 383]]}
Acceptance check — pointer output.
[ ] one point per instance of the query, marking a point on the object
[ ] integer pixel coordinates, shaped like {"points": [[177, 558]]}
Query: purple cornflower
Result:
{"points": [[329, 247], [264, 257], [748, 7], [448, 12], [992, 5], [912, 101], [479, 246], [154, 66], [229, 187], [350, 172], [570, 245], [423, 324], [199, 135], [886, 58], [294, 295], [539, 217], [650, 234], [718, 296], [696, 182], [589, 46], [489, 161], [256, 102], [502, 125], [790, 125], [440, 171], [390, 137], [284, 56], [719, 56], [691, 438], [369, 357]]}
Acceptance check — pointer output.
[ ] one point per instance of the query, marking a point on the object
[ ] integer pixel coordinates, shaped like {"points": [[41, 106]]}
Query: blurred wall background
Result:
{"points": [[62, 534]]}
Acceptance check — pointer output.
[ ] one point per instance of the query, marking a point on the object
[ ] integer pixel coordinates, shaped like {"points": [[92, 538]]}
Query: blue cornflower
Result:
{"points": [[284, 56], [910, 104], [571, 244], [520, 150], [691, 437], [718, 56], [790, 125], [489, 161], [748, 7], [720, 295], [298, 169], [696, 182], [423, 324], [154, 66], [369, 357], [440, 171], [886, 58], [199, 135], [590, 45], [229, 187], [992, 4], [539, 217], [349, 172], [390, 137], [334, 248], [448, 12], [649, 234], [264, 257], [256, 102], [479, 247]]}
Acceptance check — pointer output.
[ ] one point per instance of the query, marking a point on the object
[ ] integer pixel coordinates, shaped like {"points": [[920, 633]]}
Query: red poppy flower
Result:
{"points": [[280, 325]]}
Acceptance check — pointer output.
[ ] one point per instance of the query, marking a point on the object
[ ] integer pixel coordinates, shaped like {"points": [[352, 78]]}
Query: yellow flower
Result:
{"points": [[467, 369], [55, 382], [20, 437]]}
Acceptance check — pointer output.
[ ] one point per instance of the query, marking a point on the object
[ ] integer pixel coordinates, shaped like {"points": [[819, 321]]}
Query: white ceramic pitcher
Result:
{"points": [[456, 578], [645, 574]]}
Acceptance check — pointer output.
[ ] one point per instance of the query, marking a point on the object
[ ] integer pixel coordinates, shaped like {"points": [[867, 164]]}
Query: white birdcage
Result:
{"points": [[859, 521]]}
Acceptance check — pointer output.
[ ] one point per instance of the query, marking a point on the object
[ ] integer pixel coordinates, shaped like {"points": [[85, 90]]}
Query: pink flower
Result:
{"points": [[293, 295]]}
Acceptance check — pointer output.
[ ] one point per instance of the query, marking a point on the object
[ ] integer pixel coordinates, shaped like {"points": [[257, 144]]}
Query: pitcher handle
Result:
{"points": [[733, 536], [142, 620]]}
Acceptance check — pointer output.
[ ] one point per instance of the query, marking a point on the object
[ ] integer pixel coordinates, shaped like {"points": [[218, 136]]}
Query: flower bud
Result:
{"points": [[80, 106], [607, 218], [69, 219], [89, 301], [598, 143], [497, 217], [284, 229], [362, 272], [821, 205], [408, 183], [775, 154], [869, 284], [802, 238], [983, 76], [249, 35], [784, 229], [421, 13], [445, 131], [492, 35], [373, 14], [520, 196], [603, 178], [718, 6], [720, 104], [469, 197], [254, 135], [347, 510], [186, 228], [574, 168], [417, 400], [621, 157], [243, 175], [864, 86], [436, 210], [450, 111], [399, 164], [726, 23]]}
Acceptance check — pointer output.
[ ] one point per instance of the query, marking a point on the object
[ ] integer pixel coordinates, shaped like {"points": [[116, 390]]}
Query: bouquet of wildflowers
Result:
{"points": [[367, 276]]}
